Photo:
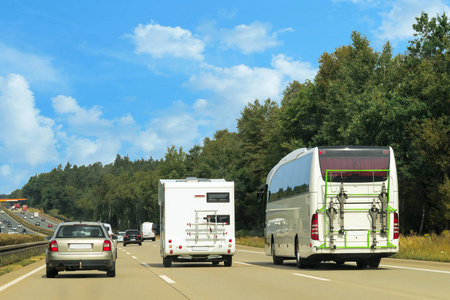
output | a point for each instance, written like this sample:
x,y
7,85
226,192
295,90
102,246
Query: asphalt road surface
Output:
x,y
141,275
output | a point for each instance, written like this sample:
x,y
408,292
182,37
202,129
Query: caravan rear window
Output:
x,y
354,164
217,197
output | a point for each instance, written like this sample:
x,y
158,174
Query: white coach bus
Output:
x,y
197,220
332,204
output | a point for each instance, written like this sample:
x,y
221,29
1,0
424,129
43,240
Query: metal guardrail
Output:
x,y
12,253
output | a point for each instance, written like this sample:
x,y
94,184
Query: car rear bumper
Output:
x,y
73,265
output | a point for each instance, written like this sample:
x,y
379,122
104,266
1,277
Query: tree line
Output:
x,y
358,97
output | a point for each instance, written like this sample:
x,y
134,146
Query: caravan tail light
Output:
x,y
314,228
170,241
396,230
53,246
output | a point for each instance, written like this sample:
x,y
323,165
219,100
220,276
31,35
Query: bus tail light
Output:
x,y
396,230
315,227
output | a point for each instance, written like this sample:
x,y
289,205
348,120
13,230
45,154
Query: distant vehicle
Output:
x,y
132,236
24,231
108,229
37,224
148,231
19,225
120,236
32,217
43,219
80,246
197,220
332,204
50,225
9,225
11,232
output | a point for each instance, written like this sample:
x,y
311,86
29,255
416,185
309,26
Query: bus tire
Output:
x,y
300,262
361,264
374,263
276,260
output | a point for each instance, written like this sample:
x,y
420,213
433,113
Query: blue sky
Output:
x,y
83,81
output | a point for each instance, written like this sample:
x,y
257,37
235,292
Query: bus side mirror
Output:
x,y
261,194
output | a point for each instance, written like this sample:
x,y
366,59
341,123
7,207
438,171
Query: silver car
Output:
x,y
80,246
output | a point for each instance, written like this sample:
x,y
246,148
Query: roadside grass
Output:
x,y
20,264
252,241
430,247
14,239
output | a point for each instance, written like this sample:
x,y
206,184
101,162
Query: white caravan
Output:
x,y
332,204
147,231
197,220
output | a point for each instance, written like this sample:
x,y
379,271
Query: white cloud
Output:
x,y
35,68
25,135
81,120
295,70
253,38
250,38
397,24
164,41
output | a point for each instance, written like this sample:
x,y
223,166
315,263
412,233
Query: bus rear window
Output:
x,y
340,163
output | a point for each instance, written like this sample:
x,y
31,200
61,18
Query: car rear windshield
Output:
x,y
340,163
80,231
132,232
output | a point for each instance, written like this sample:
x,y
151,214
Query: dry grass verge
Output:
x,y
431,247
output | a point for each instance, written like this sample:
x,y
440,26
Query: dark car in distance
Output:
x,y
132,236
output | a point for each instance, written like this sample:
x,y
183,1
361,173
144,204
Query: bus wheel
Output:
x,y
361,264
276,260
374,263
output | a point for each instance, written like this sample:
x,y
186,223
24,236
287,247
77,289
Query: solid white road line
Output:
x,y
242,263
416,269
312,277
238,250
166,279
20,278
134,257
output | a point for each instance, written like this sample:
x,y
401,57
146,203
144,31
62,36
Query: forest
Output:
x,y
358,97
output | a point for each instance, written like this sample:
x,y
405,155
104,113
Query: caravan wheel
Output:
x,y
167,262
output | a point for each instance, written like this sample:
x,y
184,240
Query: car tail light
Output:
x,y
107,245
396,231
314,228
53,246
138,235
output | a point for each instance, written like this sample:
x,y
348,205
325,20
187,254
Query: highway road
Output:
x,y
141,275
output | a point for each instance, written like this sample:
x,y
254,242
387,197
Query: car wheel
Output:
x,y
140,244
112,271
361,264
51,273
124,244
